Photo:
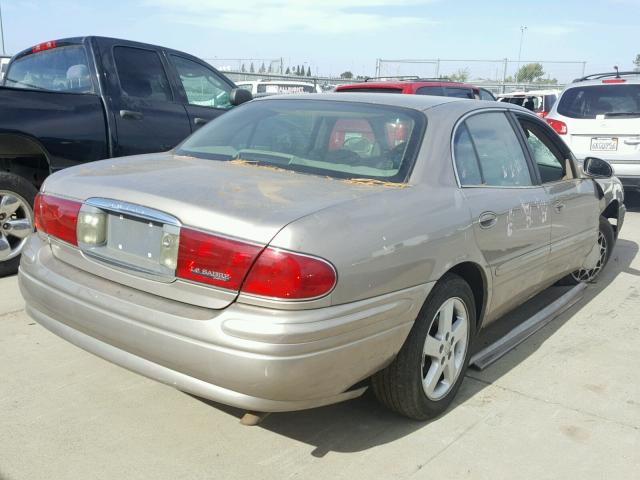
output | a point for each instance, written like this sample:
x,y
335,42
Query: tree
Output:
x,y
243,68
462,75
288,72
530,73
309,71
346,74
636,62
252,69
262,68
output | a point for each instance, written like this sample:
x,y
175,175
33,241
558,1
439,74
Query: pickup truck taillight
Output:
x,y
558,126
266,272
57,217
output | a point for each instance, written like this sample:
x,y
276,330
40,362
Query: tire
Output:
x,y
14,188
402,386
606,235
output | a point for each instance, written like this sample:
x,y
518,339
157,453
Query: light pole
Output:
x,y
522,30
2,31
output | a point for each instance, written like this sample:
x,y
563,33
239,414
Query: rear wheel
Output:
x,y
16,219
425,376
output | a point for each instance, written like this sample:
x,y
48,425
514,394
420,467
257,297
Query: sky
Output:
x,y
332,36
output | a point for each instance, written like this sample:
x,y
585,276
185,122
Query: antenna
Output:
x,y
617,71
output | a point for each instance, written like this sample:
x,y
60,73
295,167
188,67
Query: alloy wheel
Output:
x,y
588,275
16,223
445,348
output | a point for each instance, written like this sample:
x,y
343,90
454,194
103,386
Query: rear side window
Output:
x,y
486,95
459,92
609,100
437,91
61,69
466,159
141,74
500,157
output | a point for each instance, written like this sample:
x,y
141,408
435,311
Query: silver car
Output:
x,y
297,250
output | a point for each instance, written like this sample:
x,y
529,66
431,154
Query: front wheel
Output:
x,y
605,242
425,376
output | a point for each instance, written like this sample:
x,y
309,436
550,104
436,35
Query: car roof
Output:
x,y
403,83
416,102
610,80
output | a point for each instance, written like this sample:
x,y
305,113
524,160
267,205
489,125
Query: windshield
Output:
x,y
62,69
608,100
336,139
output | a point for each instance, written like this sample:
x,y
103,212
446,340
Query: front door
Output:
x,y
574,202
512,225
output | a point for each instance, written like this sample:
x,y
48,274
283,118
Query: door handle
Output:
x,y
632,141
131,114
200,121
487,219
558,206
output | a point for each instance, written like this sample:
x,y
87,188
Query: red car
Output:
x,y
421,86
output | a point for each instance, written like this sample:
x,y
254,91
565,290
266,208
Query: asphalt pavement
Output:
x,y
564,404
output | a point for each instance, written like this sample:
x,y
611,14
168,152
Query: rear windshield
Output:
x,y
62,69
609,100
459,92
285,88
372,90
335,139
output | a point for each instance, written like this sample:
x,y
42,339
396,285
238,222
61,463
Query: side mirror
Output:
x,y
597,168
238,96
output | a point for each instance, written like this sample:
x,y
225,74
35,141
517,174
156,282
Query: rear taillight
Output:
x,y
266,272
614,80
214,260
287,275
57,217
558,126
542,114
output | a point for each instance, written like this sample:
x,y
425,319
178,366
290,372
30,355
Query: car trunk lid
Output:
x,y
233,200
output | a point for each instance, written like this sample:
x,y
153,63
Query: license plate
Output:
x,y
604,144
128,237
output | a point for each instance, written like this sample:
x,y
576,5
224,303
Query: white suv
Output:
x,y
599,116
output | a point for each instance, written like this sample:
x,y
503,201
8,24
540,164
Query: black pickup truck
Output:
x,y
77,100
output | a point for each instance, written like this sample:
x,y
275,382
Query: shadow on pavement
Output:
x,y
362,423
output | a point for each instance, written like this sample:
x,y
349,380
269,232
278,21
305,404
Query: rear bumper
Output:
x,y
248,357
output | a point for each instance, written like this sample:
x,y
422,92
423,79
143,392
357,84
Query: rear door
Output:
x,y
509,207
148,117
204,91
574,209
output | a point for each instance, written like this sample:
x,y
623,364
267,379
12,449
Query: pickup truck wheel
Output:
x,y
605,243
424,378
16,219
